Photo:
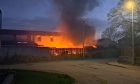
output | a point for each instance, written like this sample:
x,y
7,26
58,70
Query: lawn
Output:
x,y
36,77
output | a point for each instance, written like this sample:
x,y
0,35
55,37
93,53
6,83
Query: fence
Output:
x,y
18,54
126,55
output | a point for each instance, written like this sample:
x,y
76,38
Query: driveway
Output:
x,y
87,71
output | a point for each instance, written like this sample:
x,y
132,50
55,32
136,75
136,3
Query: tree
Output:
x,y
112,34
120,21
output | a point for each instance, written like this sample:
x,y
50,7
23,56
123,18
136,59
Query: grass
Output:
x,y
35,77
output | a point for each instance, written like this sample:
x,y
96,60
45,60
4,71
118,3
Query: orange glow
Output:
x,y
94,46
55,42
60,41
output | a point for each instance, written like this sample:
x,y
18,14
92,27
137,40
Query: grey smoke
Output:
x,y
71,15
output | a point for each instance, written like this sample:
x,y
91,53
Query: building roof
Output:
x,y
27,32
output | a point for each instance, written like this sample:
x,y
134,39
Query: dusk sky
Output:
x,y
41,14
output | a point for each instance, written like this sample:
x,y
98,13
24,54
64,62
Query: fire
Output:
x,y
94,46
63,40
59,42
55,42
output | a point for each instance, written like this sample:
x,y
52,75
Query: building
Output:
x,y
23,37
55,41
106,43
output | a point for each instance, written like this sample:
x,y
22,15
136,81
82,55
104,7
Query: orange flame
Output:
x,y
60,41
55,42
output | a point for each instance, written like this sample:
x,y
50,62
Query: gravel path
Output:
x,y
87,71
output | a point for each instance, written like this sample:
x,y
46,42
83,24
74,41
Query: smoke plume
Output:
x,y
72,11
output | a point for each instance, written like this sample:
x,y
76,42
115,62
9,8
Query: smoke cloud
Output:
x,y
72,11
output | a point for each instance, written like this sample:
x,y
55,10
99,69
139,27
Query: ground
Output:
x,y
37,77
87,71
